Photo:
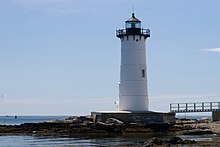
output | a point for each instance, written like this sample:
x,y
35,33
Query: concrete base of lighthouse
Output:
x,y
146,117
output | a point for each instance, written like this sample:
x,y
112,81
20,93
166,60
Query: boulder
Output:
x,y
176,140
155,141
113,121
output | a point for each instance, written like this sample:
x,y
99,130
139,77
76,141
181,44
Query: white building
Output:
x,y
133,95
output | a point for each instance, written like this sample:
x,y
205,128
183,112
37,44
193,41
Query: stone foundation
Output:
x,y
216,116
147,117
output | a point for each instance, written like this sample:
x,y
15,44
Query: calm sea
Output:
x,y
16,120
42,141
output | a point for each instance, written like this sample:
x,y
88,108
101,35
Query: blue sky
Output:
x,y
61,57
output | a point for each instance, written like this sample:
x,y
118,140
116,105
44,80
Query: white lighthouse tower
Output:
x,y
133,95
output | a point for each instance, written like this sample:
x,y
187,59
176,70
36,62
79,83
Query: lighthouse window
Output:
x,y
143,73
132,25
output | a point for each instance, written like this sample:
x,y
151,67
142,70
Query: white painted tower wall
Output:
x,y
133,94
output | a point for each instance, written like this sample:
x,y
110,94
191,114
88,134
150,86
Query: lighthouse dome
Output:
x,y
133,22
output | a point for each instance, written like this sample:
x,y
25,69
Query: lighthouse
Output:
x,y
133,93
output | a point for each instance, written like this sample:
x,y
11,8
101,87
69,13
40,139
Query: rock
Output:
x,y
189,142
153,141
79,119
186,121
172,141
197,132
84,124
176,140
113,121
107,128
204,120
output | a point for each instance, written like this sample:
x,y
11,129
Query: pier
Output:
x,y
213,107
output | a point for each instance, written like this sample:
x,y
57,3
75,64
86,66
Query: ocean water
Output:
x,y
47,141
51,141
26,141
12,120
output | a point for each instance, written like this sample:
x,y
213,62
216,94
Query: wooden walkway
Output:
x,y
195,107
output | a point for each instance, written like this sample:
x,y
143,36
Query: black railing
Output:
x,y
124,32
195,107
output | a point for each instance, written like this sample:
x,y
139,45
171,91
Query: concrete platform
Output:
x,y
145,117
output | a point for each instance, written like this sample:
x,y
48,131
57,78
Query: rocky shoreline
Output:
x,y
83,126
